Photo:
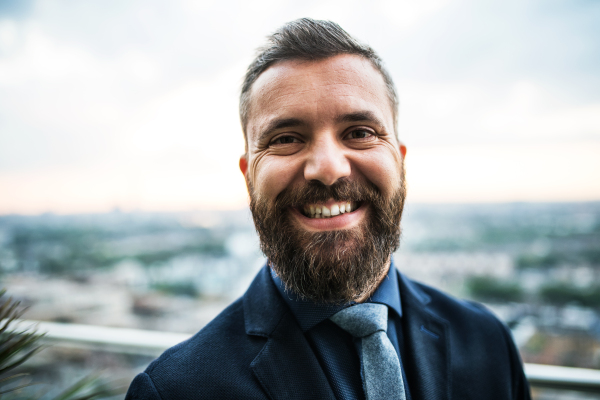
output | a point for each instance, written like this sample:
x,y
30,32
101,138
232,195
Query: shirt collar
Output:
x,y
309,314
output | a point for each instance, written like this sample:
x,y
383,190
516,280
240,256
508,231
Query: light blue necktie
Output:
x,y
382,375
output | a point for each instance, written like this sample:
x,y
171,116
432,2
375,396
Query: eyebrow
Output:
x,y
359,116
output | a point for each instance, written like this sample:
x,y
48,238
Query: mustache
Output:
x,y
317,192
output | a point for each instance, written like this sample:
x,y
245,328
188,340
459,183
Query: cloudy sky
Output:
x,y
133,104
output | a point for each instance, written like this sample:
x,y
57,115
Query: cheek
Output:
x,y
383,170
271,175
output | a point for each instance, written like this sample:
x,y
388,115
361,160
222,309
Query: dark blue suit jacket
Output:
x,y
255,350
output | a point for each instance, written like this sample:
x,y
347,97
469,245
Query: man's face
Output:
x,y
325,174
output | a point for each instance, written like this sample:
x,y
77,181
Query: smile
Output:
x,y
328,209
330,215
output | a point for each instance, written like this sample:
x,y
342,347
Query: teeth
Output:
x,y
321,211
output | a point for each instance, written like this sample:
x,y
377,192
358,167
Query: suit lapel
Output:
x,y
286,367
426,338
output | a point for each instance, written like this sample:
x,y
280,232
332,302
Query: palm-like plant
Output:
x,y
17,346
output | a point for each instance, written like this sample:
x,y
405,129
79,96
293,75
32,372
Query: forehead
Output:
x,y
318,89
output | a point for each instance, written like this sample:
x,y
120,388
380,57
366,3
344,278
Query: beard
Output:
x,y
332,266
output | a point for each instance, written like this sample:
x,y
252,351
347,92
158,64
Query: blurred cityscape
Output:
x,y
535,265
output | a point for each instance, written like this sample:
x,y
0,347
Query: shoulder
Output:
x,y
214,360
478,340
467,319
449,308
454,309
217,361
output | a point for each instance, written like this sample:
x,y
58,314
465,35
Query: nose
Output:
x,y
326,162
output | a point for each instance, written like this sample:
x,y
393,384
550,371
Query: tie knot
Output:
x,y
362,319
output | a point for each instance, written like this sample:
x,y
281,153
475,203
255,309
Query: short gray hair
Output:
x,y
309,39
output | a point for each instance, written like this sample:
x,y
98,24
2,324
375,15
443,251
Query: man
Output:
x,y
329,316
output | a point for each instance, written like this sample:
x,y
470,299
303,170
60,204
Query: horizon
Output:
x,y
407,205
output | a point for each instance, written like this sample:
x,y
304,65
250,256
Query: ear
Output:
x,y
403,150
243,164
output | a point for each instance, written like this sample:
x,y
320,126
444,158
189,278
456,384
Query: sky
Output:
x,y
133,104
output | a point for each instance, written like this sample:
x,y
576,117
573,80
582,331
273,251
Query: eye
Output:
x,y
360,134
285,140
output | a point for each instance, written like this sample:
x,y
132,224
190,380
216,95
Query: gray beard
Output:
x,y
332,266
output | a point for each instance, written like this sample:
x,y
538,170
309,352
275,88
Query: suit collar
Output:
x,y
411,290
263,307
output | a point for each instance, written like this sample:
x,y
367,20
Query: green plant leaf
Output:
x,y
19,345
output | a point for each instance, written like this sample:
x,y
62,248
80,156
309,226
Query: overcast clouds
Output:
x,y
133,103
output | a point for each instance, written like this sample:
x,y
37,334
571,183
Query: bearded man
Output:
x,y
330,316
